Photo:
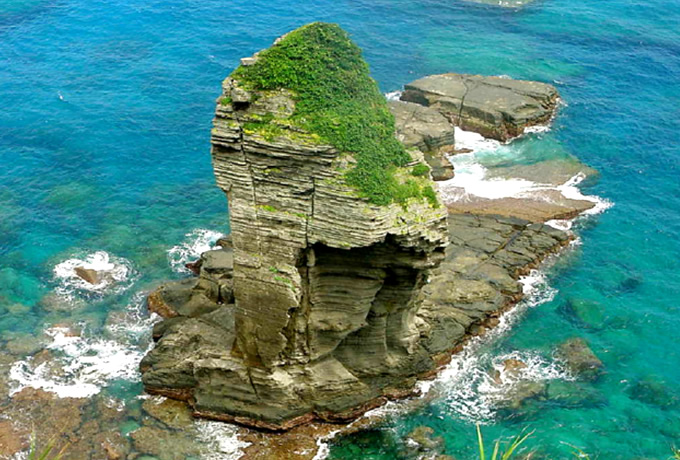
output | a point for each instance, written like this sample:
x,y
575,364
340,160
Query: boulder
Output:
x,y
495,107
522,392
87,274
441,168
421,127
513,367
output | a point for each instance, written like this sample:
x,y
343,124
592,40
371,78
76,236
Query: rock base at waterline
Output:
x,y
477,280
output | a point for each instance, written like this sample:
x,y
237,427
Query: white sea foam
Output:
x,y
471,179
115,275
82,364
195,243
393,95
474,141
467,385
537,129
221,440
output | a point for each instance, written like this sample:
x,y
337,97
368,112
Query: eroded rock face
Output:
x,y
420,126
324,283
495,107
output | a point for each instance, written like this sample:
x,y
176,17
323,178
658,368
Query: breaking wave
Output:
x,y
471,179
115,274
79,365
195,243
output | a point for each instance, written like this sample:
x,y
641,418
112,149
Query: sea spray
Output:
x,y
82,363
195,243
115,275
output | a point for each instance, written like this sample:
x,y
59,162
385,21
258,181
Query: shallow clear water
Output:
x,y
104,146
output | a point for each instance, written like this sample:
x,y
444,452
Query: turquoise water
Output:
x,y
104,146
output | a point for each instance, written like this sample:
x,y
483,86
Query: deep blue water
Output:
x,y
104,145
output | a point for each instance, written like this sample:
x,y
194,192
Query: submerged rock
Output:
x,y
421,442
165,445
173,414
580,359
573,394
586,313
495,107
654,392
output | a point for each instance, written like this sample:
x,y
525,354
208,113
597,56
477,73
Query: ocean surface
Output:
x,y
104,161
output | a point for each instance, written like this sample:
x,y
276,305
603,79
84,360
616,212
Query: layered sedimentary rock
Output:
x,y
325,282
495,107
427,130
324,303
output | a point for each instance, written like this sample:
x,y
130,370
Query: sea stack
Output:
x,y
335,229
344,280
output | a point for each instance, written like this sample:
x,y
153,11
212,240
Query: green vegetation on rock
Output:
x,y
420,169
337,100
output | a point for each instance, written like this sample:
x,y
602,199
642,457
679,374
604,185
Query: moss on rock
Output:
x,y
337,99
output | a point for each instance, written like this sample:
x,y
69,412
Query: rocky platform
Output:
x,y
473,285
495,107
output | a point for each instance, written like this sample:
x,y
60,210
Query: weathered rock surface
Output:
x,y
540,207
429,131
420,126
495,107
88,274
474,284
478,278
327,305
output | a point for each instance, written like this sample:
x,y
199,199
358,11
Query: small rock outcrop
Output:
x,y
579,359
495,107
427,130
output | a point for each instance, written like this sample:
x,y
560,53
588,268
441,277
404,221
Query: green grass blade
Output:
x,y
482,456
495,450
518,441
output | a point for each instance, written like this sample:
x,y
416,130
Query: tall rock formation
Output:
x,y
343,281
335,231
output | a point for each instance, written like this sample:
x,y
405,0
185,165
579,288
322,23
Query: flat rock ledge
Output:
x,y
495,107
